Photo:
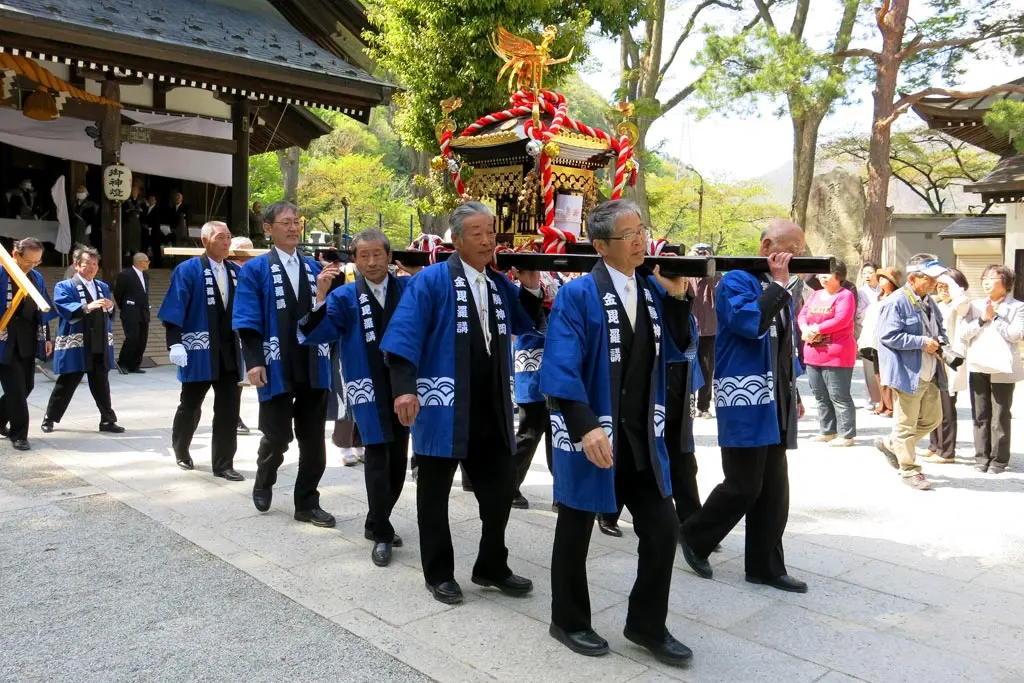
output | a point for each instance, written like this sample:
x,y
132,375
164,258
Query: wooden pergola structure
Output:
x,y
232,60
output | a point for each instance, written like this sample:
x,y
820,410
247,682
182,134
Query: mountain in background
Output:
x,y
779,184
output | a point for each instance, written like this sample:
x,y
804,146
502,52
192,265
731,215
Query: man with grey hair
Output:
x,y
910,336
609,340
275,291
85,341
131,292
356,316
196,313
448,346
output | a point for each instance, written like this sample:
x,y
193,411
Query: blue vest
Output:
x,y
8,286
189,304
744,383
430,328
356,321
260,305
583,363
69,298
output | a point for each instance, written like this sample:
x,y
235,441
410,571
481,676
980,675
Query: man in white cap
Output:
x,y
910,337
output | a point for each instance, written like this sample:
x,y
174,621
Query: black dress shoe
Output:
x,y
20,444
137,371
520,502
261,498
586,643
111,427
512,585
229,474
185,464
700,565
46,427
666,649
381,554
447,592
783,583
316,517
609,528
396,541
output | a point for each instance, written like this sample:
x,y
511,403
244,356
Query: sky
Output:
x,y
735,148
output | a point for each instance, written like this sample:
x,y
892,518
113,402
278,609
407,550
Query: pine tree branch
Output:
x,y
681,95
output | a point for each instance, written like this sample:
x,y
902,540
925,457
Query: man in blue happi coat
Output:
x,y
357,315
196,313
610,336
85,341
275,291
26,337
534,420
757,406
449,351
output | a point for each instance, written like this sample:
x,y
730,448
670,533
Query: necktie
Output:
x,y
630,303
481,303
293,273
378,293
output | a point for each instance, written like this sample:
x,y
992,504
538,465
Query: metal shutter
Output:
x,y
972,266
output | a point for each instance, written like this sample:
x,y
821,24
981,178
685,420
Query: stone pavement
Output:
x,y
115,565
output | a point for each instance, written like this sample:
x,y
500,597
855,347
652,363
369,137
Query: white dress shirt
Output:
x,y
142,278
481,297
220,274
291,269
625,288
91,286
380,292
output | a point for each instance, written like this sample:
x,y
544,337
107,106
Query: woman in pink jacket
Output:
x,y
830,352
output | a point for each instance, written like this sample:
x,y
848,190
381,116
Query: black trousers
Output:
x,y
17,378
384,467
990,406
307,408
490,467
943,438
136,333
534,422
706,359
227,398
99,387
658,531
756,485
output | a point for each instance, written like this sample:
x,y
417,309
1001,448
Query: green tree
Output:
x,y
1006,118
733,213
265,181
927,162
769,62
935,49
365,184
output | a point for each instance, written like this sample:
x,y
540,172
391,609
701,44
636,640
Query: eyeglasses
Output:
x,y
630,235
289,224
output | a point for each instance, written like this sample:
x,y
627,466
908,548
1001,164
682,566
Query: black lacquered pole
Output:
x,y
799,265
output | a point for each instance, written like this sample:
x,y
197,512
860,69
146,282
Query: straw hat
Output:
x,y
890,274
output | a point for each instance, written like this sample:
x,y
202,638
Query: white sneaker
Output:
x,y
348,457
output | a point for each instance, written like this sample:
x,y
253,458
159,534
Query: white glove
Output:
x,y
178,355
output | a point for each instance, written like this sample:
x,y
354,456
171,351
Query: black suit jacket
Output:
x,y
132,299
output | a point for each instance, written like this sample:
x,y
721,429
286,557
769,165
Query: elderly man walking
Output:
x,y
909,338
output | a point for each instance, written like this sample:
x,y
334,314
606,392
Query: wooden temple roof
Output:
x,y
964,119
232,47
335,25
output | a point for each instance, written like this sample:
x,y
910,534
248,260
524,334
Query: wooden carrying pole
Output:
x,y
25,286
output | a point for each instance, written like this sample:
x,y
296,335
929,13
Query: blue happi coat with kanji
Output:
x,y
191,301
431,329
69,348
261,304
583,363
745,360
357,320
8,286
